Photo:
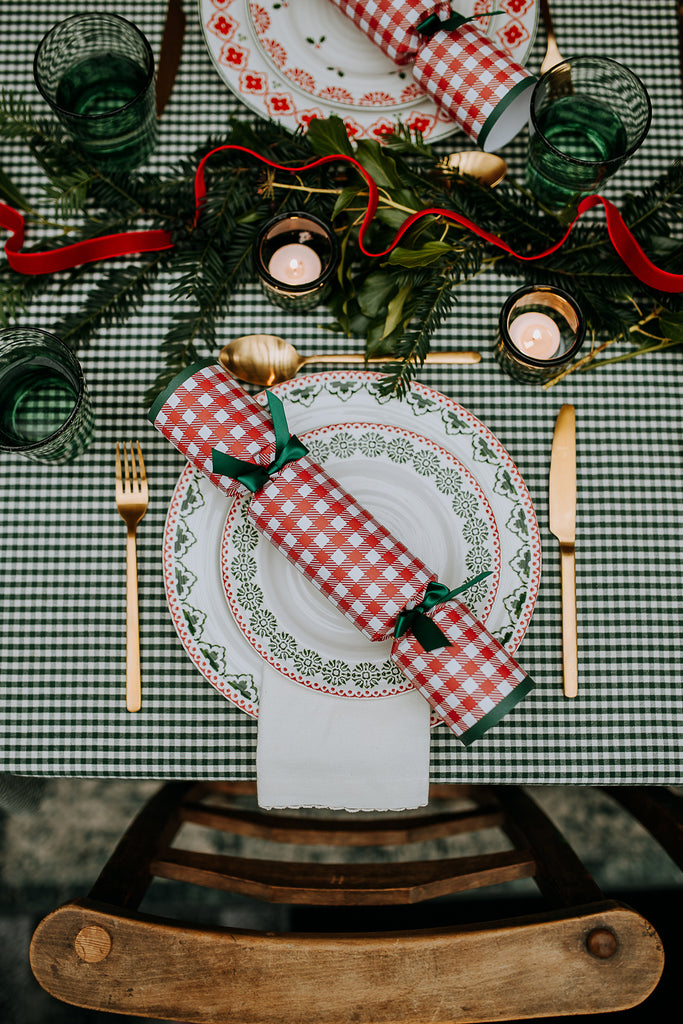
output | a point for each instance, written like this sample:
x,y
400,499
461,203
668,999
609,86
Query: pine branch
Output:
x,y
17,291
436,302
112,300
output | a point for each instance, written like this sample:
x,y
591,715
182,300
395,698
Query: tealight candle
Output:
x,y
535,334
295,256
541,330
295,264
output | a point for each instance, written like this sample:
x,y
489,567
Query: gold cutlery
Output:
x,y
561,82
266,359
132,499
552,54
562,517
488,168
170,53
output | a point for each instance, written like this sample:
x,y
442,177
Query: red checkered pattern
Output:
x,y
392,24
467,76
364,571
462,682
356,563
211,410
462,71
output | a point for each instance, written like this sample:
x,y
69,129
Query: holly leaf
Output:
x,y
381,167
671,325
428,253
375,294
328,136
395,310
344,199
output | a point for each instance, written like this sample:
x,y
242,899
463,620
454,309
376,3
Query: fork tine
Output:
x,y
133,470
141,463
126,471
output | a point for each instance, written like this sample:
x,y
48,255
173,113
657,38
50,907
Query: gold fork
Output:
x,y
132,499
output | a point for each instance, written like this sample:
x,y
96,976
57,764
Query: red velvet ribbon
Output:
x,y
132,242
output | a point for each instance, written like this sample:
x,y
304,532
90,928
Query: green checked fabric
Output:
x,y
62,542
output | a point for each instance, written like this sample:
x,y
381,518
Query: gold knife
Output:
x,y
170,52
562,516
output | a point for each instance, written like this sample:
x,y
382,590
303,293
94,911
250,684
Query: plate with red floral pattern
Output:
x,y
292,62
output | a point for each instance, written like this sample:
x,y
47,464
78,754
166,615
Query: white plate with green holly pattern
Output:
x,y
199,536
423,495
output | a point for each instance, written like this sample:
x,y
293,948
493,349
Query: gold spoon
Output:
x,y
265,359
486,167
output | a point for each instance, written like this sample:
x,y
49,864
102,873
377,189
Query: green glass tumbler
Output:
x,y
96,71
45,410
588,116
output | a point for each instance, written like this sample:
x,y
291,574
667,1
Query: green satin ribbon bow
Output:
x,y
432,24
288,448
425,629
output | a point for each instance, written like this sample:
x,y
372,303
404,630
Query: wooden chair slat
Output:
x,y
203,976
291,829
561,876
585,954
342,884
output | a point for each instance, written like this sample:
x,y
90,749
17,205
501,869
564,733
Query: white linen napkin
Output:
x,y
316,749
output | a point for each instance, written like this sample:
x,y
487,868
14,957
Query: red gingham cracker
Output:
x,y
368,574
392,24
466,681
209,409
353,560
473,81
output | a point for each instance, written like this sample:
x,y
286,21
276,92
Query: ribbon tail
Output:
x,y
630,251
90,250
428,634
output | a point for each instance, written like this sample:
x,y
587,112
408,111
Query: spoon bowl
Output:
x,y
266,359
485,167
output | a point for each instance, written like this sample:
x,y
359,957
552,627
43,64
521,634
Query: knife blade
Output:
x,y
170,53
562,521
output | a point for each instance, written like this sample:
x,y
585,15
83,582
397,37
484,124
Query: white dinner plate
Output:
x,y
196,532
291,62
424,496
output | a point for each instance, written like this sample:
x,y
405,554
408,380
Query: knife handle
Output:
x,y
570,661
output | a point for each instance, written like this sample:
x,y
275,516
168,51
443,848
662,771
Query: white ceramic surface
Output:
x,y
196,520
292,62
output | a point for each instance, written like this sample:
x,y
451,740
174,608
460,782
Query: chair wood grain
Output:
x,y
581,953
498,971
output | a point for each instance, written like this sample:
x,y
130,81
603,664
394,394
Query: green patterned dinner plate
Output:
x,y
423,495
432,473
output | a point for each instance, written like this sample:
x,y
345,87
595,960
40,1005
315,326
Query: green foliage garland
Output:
x,y
395,303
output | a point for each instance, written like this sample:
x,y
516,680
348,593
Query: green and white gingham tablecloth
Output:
x,y
62,653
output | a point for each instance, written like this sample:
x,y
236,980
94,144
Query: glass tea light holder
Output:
x,y
296,255
541,331
96,71
45,410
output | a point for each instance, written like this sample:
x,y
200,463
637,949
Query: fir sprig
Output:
x,y
395,303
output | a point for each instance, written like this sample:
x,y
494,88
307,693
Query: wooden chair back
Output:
x,y
581,953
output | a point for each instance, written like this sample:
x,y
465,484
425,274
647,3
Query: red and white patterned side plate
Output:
x,y
292,62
